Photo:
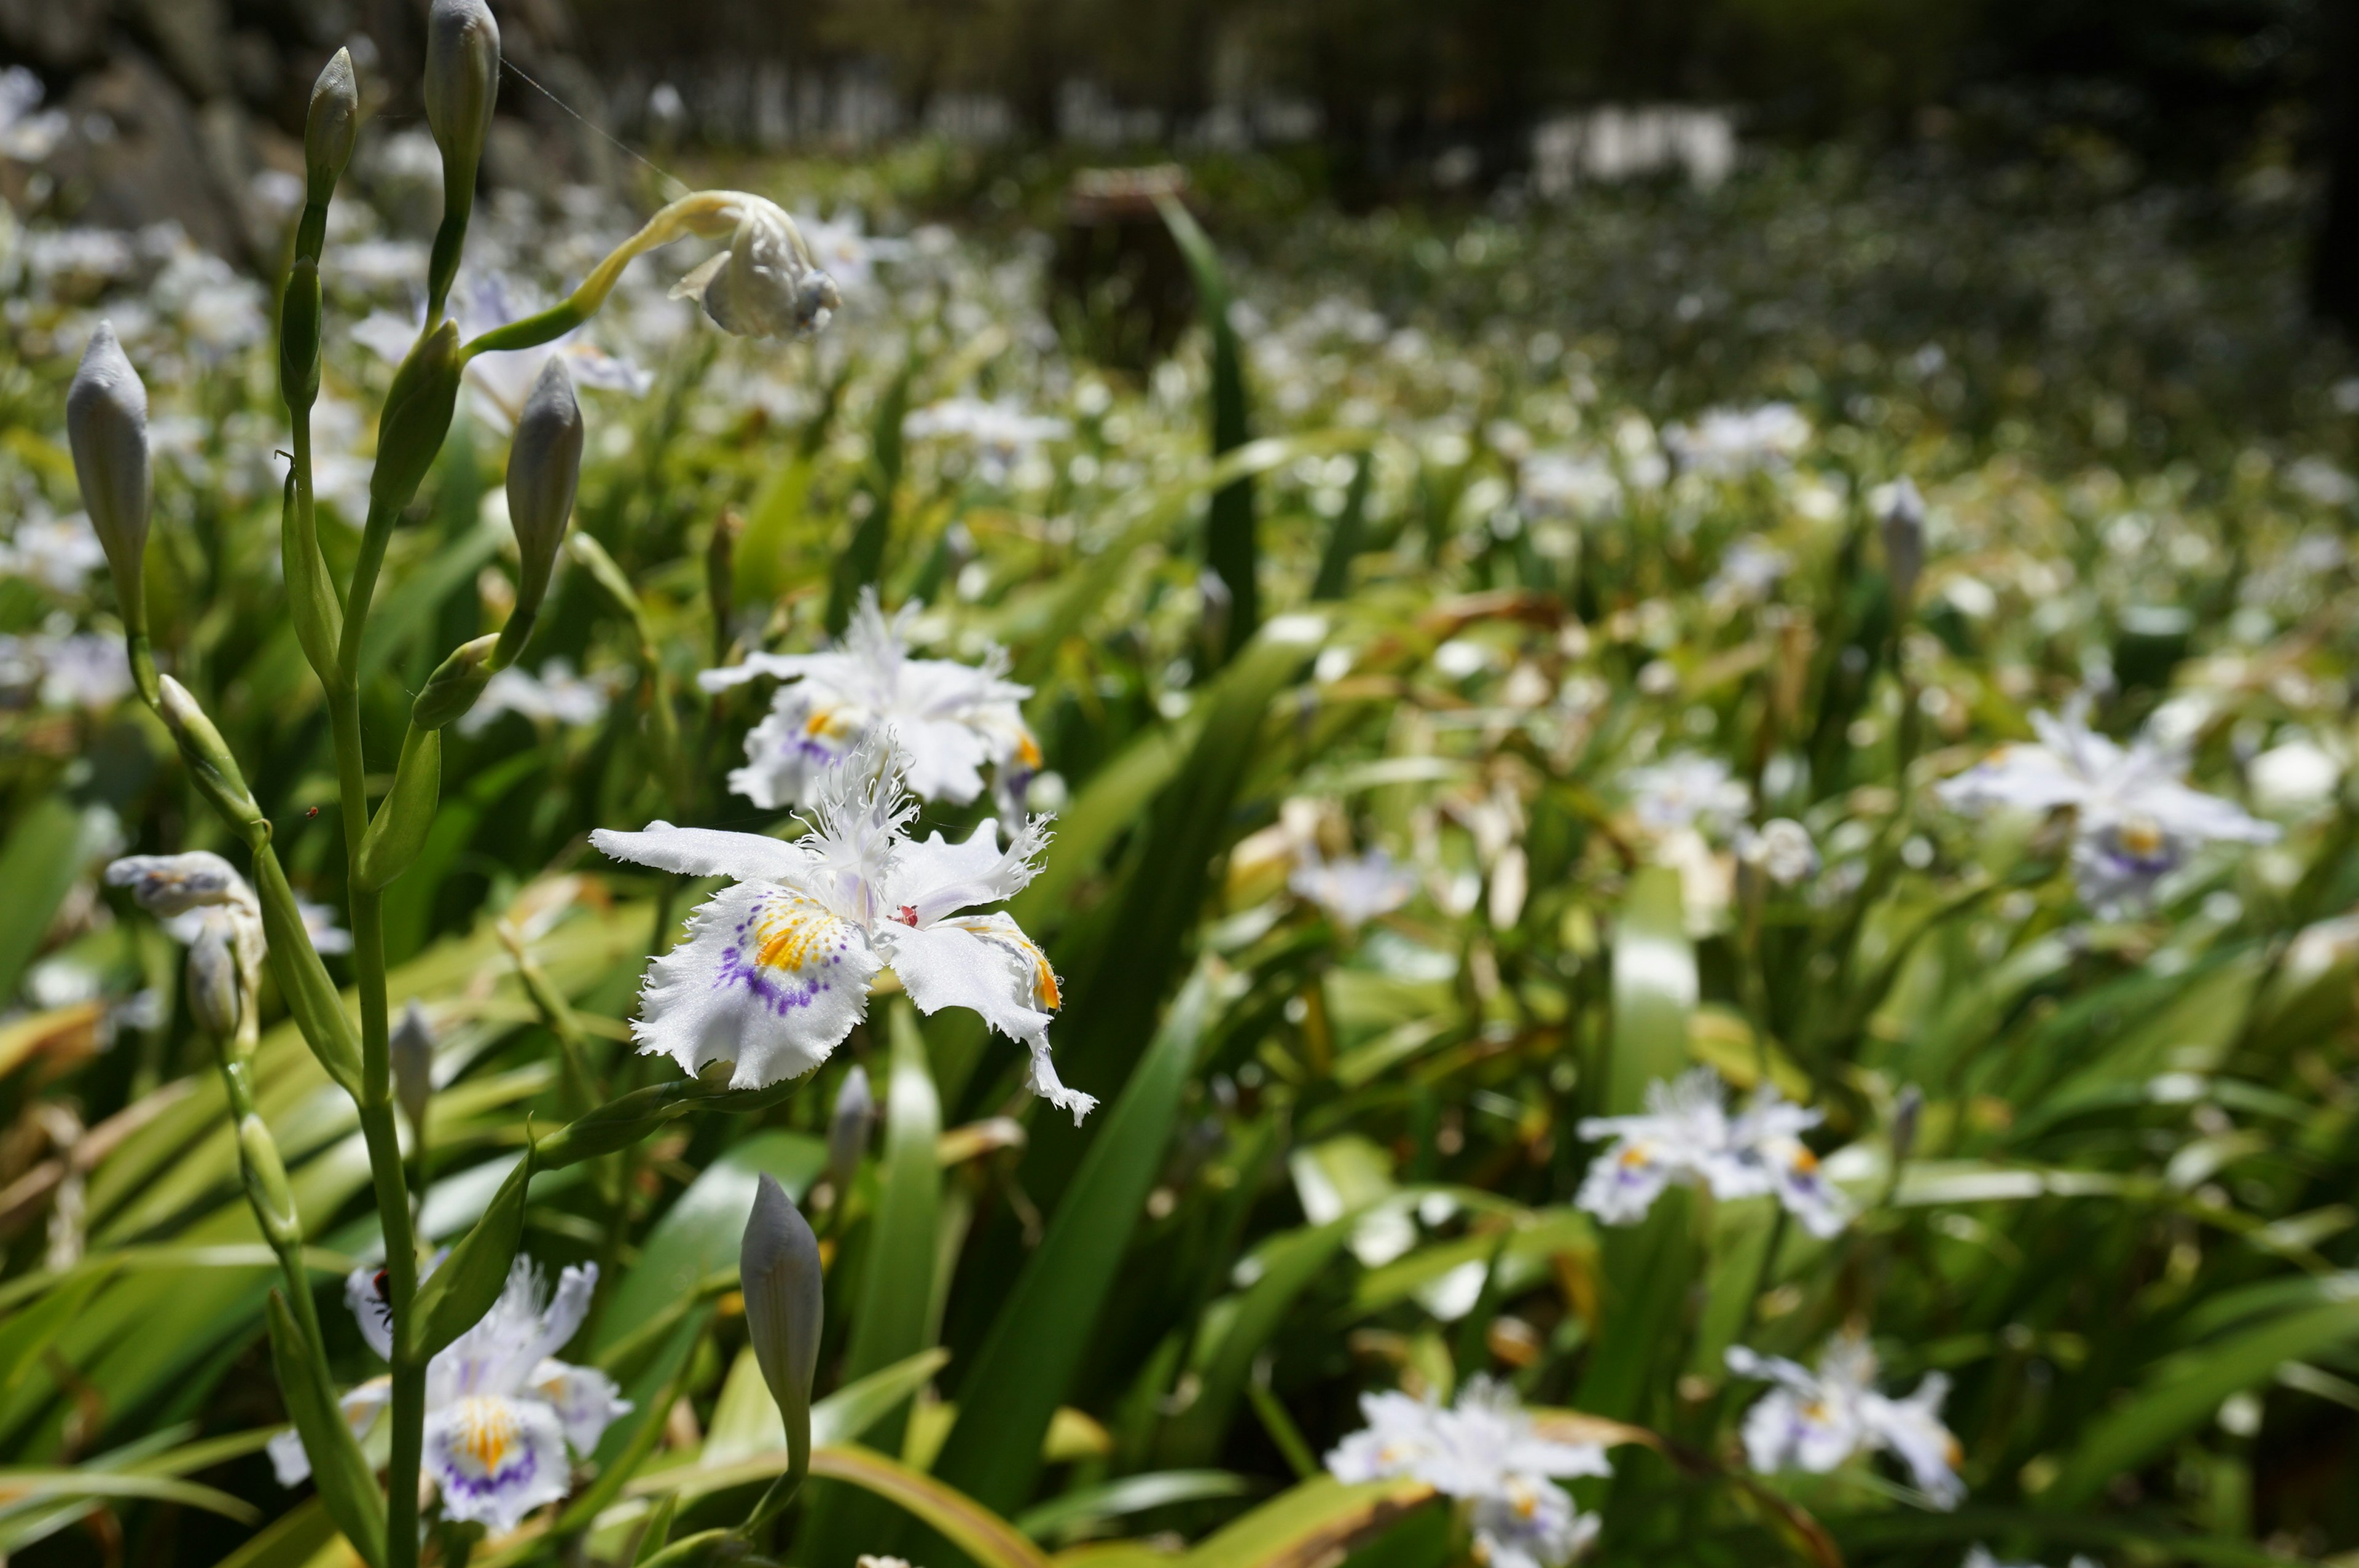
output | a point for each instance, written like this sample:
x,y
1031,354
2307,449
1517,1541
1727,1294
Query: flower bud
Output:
x,y
544,467
412,1050
778,1270
463,81
417,417
107,424
213,989
455,683
766,284
215,771
1900,515
398,832
1907,1112
848,1129
329,127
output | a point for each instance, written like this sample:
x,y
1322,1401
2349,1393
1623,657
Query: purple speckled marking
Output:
x,y
456,1480
741,966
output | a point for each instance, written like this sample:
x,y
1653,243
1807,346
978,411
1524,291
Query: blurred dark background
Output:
x,y
1372,100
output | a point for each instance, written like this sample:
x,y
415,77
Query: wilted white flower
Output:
x,y
1689,790
204,904
1817,1421
1486,1452
500,1411
1354,891
1687,1135
951,718
766,284
2134,818
776,969
556,695
1729,441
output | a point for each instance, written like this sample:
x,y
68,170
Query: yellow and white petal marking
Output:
x,y
787,951
1001,931
495,1459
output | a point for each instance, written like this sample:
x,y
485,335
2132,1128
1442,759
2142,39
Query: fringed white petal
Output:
x,y
780,666
571,1304
586,1400
704,852
945,756
767,979
986,962
791,750
936,877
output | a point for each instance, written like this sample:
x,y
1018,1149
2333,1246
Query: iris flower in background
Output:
x,y
1486,1452
500,1411
1818,1421
2135,819
1353,890
951,720
1687,1135
556,695
1689,790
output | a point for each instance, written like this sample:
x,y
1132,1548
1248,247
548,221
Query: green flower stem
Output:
x,y
375,1098
285,1240
706,212
375,537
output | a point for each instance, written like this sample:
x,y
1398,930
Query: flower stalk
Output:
x,y
765,284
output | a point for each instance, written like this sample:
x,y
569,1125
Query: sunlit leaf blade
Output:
x,y
889,1323
1026,1362
1309,1524
2185,1393
983,1535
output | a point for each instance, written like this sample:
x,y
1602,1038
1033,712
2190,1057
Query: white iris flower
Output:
x,y
776,969
1486,1452
1818,1421
1689,790
500,1411
2135,820
1354,891
1688,1135
951,718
